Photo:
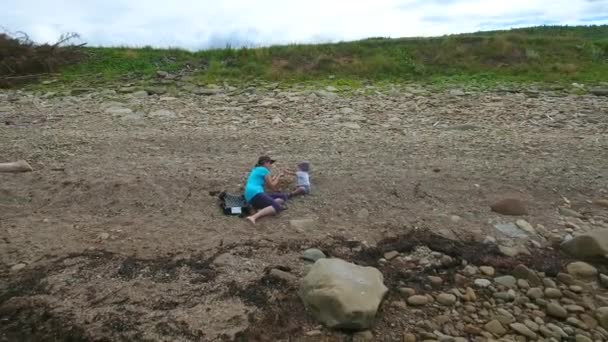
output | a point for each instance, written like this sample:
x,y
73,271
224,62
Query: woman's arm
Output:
x,y
273,181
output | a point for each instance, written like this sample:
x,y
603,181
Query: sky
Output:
x,y
201,24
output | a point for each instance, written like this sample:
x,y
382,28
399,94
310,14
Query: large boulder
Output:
x,y
589,245
341,294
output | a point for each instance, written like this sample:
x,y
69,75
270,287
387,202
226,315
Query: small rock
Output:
x,y
331,88
495,327
557,330
588,245
409,337
435,281
523,272
482,283
508,251
18,267
522,329
555,310
535,292
487,270
446,299
601,203
469,270
418,300
569,212
505,296
553,293
524,225
510,206
582,338
314,333
602,316
574,308
523,284
363,336
581,269
140,94
506,281
532,325
391,255
278,274
407,291
163,114
313,254
577,323
604,280
104,236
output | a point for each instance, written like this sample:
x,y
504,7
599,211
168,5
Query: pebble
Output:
x,y
18,267
314,333
104,236
521,271
506,296
313,254
495,327
581,269
510,206
569,212
469,270
523,284
408,337
525,226
407,291
553,293
482,282
575,288
435,281
557,330
446,299
391,255
278,274
363,336
577,323
548,282
604,280
532,325
582,338
535,292
556,310
506,281
418,300
522,329
487,270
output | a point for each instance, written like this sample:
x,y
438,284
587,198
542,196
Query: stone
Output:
x,y
278,274
482,283
553,293
326,94
469,295
495,327
407,291
331,88
509,251
505,296
535,292
523,284
163,114
601,203
577,323
532,325
351,125
408,337
556,310
418,300
207,91
604,280
602,316
104,236
469,270
118,111
313,254
521,271
559,332
156,90
574,308
569,212
589,321
510,230
487,270
18,267
548,282
510,206
343,295
362,336
446,299
506,281
581,270
140,94
391,255
525,226
582,338
435,281
522,329
588,245
599,91
315,332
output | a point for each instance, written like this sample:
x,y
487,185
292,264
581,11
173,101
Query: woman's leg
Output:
x,y
269,210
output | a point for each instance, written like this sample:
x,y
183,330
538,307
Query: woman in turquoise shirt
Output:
x,y
259,177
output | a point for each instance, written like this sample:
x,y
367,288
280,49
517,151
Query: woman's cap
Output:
x,y
265,159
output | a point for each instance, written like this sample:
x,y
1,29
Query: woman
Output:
x,y
259,178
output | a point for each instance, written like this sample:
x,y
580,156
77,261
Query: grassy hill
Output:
x,y
537,54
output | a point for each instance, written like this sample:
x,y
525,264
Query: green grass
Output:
x,y
540,54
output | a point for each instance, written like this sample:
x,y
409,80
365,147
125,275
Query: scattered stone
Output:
x,y
407,291
548,282
495,327
315,332
532,325
602,316
576,288
523,284
18,267
508,251
553,293
435,281
524,225
469,295
577,323
556,310
487,270
118,111
604,280
326,94
506,281
522,329
505,296
104,236
163,114
331,88
446,299
582,338
351,125
510,230
599,91
510,206
140,94
589,321
313,254
408,337
523,272
569,212
156,90
341,294
601,203
469,270
418,300
588,245
581,270
363,336
391,255
482,283
207,91
557,330
278,274
535,292
574,308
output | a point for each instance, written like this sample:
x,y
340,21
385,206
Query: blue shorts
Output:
x,y
263,200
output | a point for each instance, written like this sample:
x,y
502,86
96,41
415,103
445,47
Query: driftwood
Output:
x,y
18,166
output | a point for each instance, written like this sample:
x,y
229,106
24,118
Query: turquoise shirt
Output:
x,y
255,182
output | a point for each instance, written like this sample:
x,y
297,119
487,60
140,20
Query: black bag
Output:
x,y
234,205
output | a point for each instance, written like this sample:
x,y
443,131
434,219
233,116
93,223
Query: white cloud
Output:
x,y
198,24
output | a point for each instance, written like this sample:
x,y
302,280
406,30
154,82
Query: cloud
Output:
x,y
196,24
